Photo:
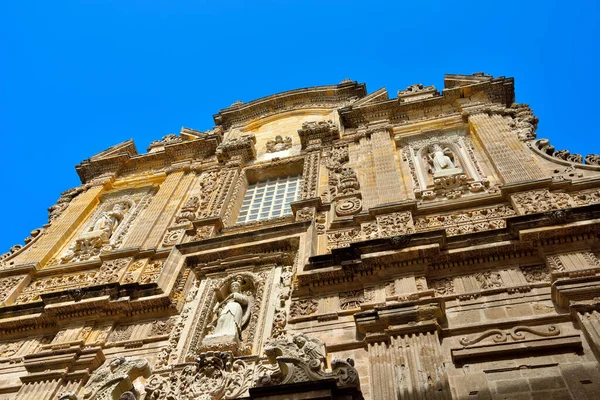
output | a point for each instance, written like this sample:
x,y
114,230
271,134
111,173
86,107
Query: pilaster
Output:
x,y
60,230
511,158
149,221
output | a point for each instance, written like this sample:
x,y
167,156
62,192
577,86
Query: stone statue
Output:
x,y
231,314
441,161
109,221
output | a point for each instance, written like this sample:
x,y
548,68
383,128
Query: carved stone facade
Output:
x,y
428,246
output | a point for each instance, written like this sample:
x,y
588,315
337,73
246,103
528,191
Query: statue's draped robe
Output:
x,y
230,316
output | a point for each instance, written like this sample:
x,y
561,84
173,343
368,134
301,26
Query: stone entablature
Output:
x,y
433,248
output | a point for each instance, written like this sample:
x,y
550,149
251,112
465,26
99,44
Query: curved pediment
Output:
x,y
320,97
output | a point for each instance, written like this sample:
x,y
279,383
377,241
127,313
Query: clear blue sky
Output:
x,y
78,77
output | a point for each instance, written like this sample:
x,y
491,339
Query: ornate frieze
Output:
x,y
544,200
303,307
37,287
460,223
342,238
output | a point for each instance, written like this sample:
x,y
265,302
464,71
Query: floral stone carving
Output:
x,y
214,376
302,359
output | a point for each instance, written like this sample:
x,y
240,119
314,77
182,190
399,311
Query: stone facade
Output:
x,y
433,248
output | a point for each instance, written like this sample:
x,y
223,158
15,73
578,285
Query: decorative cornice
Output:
x,y
331,96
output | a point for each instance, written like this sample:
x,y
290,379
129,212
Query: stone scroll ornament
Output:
x,y
214,376
114,380
302,359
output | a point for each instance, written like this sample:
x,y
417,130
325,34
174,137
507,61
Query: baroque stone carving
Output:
x,y
214,375
279,144
310,176
115,377
315,134
237,151
36,288
111,271
7,284
516,333
466,222
108,226
433,164
489,280
536,274
544,146
301,359
353,299
303,307
230,315
540,200
343,238
442,287
167,354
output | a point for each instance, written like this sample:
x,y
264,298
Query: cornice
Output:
x,y
331,96
166,155
499,90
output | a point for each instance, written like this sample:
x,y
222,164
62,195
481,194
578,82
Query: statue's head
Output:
x,y
278,139
436,147
118,207
300,340
235,287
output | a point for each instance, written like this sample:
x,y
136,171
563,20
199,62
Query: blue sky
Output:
x,y
78,77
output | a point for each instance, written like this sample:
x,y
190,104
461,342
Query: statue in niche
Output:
x,y
441,161
89,243
279,144
231,315
109,221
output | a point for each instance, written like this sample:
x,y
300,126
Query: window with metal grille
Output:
x,y
270,199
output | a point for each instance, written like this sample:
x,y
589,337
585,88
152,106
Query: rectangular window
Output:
x,y
270,199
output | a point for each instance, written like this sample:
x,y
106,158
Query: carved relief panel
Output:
x,y
232,311
443,165
106,229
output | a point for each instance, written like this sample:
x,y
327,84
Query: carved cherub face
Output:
x,y
300,341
